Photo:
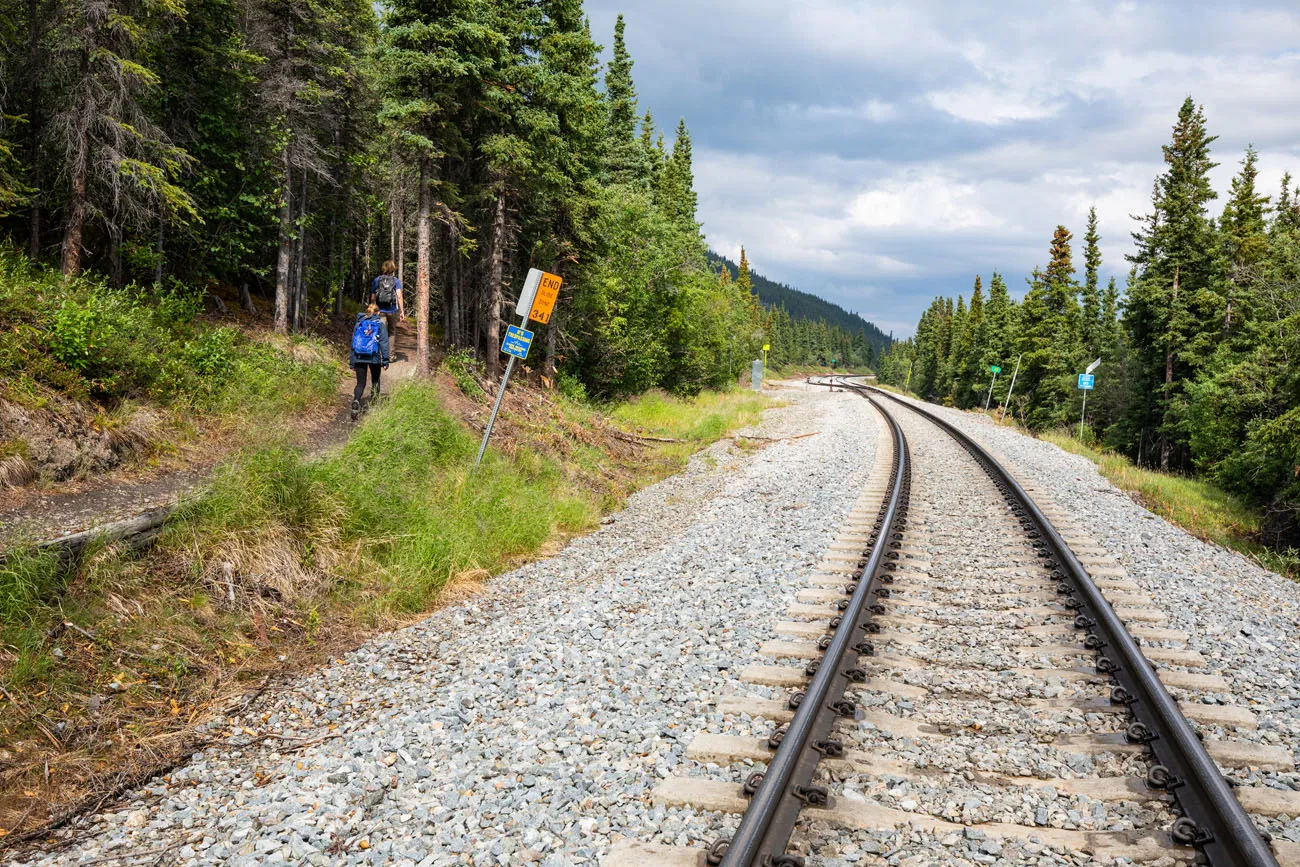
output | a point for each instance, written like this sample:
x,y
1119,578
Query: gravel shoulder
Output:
x,y
529,723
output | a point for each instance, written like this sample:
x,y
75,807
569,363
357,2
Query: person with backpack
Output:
x,y
386,294
369,353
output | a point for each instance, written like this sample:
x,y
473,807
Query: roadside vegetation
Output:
x,y
107,665
1199,506
91,375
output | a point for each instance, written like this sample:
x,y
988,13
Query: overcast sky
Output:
x,y
877,154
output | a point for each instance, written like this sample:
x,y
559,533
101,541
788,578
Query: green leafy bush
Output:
x,y
462,366
86,339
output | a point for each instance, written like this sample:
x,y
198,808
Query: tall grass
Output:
x,y
1198,506
398,510
704,417
28,579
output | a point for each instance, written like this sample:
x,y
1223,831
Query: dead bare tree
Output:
x,y
119,165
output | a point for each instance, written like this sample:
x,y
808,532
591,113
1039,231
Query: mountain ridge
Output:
x,y
804,305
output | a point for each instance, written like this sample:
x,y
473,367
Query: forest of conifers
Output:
x,y
286,148
1200,355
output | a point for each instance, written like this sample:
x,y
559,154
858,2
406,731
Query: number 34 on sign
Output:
x,y
537,299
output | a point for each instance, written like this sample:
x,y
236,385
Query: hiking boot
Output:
x,y
356,408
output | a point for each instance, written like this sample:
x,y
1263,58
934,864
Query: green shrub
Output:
x,y
87,339
571,387
462,366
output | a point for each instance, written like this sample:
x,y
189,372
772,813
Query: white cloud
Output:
x,y
981,103
921,200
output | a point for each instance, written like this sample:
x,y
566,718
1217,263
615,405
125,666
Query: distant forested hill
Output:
x,y
804,305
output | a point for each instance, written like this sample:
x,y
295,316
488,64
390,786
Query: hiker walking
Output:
x,y
386,294
369,353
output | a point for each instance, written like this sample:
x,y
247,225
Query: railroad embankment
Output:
x,y
286,556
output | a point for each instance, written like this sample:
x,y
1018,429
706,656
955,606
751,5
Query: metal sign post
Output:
x,y
1011,389
533,304
1086,381
995,370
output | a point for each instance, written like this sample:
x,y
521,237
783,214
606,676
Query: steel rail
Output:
x,y
764,831
1213,819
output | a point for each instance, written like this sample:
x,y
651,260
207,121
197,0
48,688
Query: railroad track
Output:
x,y
965,672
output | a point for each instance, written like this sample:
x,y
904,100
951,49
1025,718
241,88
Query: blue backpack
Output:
x,y
365,337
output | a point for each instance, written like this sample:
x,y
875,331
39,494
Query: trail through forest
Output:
x,y
41,515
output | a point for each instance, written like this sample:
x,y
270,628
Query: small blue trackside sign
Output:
x,y
517,342
1086,380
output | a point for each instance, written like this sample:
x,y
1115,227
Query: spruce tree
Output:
x,y
651,154
120,167
1111,330
970,351
1287,213
1175,306
1091,330
744,282
625,160
956,362
1244,231
677,183
1243,224
1049,339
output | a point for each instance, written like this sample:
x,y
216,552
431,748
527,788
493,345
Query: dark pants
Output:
x,y
390,319
375,370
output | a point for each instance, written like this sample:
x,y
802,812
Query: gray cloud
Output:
x,y
881,153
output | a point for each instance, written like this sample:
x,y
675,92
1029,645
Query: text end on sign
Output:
x,y
1086,381
548,289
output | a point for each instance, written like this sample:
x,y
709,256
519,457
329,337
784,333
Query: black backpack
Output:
x,y
386,290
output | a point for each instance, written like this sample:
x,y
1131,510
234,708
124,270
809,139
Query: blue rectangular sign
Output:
x,y
517,342
1086,380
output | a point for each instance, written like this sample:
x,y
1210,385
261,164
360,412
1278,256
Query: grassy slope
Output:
x,y
1198,506
139,368
286,560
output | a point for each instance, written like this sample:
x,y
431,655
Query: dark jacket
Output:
x,y
382,356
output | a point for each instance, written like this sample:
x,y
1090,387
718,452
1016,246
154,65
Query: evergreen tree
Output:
x,y
1000,316
1049,339
119,166
1287,213
1245,234
743,280
956,360
1111,332
677,184
1243,223
971,350
625,160
1091,328
1175,307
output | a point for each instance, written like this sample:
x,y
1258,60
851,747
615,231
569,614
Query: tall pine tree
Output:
x,y
1175,306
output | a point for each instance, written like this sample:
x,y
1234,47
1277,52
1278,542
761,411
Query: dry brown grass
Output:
x,y
16,471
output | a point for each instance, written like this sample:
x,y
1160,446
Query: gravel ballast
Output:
x,y
1244,619
530,723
